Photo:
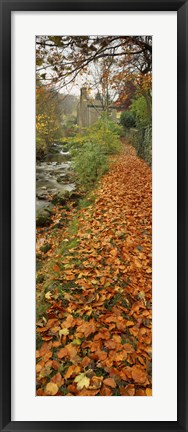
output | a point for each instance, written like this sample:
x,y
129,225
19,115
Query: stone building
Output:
x,y
89,110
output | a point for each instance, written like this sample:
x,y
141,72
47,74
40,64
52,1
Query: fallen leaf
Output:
x,y
58,379
82,381
62,353
71,370
55,364
139,375
106,391
140,392
76,341
48,295
51,389
56,268
63,332
129,324
87,328
110,382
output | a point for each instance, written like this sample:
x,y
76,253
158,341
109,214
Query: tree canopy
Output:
x,y
60,59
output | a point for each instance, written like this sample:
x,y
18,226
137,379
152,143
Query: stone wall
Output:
x,y
141,140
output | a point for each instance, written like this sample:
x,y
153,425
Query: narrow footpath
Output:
x,y
95,338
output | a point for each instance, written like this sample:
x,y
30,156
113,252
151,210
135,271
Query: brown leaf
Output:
x,y
110,382
96,382
138,374
87,392
55,364
105,391
140,392
87,328
62,353
129,390
58,379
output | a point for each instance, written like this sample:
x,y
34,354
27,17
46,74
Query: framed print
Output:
x,y
93,215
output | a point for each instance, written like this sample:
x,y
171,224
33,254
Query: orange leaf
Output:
x,y
140,392
110,382
129,390
72,370
62,353
87,328
56,268
110,344
129,324
56,344
56,364
57,379
70,277
69,322
128,347
87,392
106,391
37,354
139,375
114,252
71,351
51,389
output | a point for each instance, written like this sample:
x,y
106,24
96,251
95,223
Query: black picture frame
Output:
x,y
6,7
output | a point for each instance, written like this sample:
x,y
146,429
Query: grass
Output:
x,y
73,228
87,201
66,246
41,306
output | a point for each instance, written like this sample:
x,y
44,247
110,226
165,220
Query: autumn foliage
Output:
x,y
95,338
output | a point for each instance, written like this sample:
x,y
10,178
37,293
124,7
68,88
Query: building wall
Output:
x,y
88,114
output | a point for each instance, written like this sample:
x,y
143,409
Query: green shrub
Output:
x,y
106,120
139,110
104,132
89,164
90,149
140,134
128,119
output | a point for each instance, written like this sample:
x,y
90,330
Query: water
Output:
x,y
54,175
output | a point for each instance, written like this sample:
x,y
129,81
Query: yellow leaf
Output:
x,y
76,341
82,381
48,295
63,332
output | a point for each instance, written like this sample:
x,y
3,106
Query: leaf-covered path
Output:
x,y
96,339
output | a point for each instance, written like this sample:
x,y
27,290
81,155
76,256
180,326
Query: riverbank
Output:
x,y
94,331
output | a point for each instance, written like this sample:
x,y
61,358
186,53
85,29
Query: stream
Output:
x,y
53,178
